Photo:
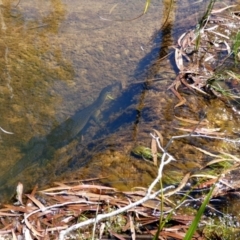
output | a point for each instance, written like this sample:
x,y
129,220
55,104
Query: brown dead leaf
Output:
x,y
38,203
78,187
202,122
30,227
206,184
234,158
166,235
148,220
184,219
180,39
139,192
4,214
67,198
154,151
57,228
214,11
91,196
160,136
116,235
206,131
205,152
217,161
67,219
132,228
13,208
178,59
181,185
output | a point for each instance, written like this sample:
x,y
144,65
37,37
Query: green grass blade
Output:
x,y
236,47
202,22
197,219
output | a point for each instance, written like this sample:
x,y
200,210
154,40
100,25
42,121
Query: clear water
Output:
x,y
56,58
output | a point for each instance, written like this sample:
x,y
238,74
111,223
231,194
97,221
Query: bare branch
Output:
x,y
166,158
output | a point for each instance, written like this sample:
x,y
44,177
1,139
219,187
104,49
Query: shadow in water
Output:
x,y
40,151
149,66
122,112
127,109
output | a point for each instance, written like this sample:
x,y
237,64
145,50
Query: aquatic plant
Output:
x,y
223,227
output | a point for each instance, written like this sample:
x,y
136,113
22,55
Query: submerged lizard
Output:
x,y
69,129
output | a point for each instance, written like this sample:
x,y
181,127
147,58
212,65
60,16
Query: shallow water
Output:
x,y
56,58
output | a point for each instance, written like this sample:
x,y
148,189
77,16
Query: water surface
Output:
x,y
57,57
